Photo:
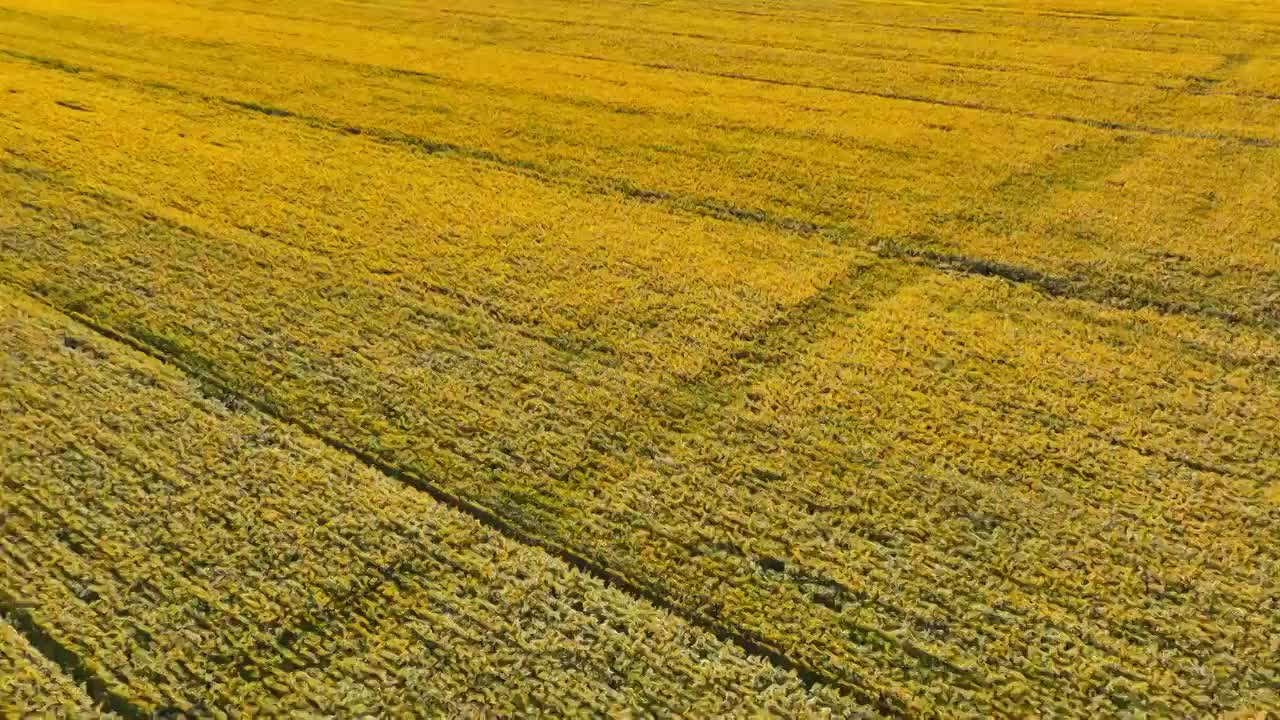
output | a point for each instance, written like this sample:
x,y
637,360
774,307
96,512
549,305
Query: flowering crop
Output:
x,y
927,350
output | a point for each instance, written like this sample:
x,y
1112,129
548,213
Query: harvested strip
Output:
x,y
33,686
198,556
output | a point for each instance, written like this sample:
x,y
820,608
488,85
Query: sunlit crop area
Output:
x,y
880,358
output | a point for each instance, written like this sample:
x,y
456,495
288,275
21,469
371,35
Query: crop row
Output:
x,y
801,153
1110,214
928,490
935,491
586,272
194,555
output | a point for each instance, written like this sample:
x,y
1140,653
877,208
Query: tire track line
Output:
x,y
213,382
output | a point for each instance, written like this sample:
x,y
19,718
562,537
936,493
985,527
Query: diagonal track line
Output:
x,y
590,182
748,642
1096,123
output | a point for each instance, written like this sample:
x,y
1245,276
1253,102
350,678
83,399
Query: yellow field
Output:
x,y
828,357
